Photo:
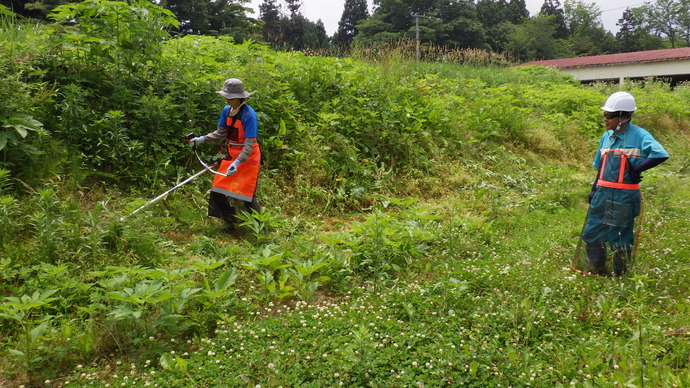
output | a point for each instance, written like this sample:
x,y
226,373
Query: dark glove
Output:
x,y
636,177
591,192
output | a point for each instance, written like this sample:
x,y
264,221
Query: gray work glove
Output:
x,y
232,169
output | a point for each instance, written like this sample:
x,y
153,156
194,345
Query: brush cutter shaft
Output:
x,y
158,198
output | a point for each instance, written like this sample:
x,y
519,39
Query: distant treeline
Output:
x,y
568,29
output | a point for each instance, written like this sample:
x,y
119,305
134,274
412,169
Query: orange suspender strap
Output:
x,y
621,174
614,185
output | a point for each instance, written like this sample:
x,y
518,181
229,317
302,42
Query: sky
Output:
x,y
330,11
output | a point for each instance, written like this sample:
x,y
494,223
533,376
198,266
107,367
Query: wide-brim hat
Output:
x,y
233,88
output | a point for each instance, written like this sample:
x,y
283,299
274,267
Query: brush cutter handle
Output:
x,y
193,140
189,137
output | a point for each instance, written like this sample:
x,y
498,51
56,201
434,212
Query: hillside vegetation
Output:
x,y
418,227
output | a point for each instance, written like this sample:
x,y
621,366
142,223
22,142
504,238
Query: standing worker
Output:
x,y
625,151
239,128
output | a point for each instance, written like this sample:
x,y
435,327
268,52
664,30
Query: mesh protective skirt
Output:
x,y
606,259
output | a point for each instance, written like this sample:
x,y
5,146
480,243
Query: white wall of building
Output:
x,y
632,70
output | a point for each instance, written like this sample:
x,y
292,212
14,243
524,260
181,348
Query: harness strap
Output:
x,y
621,173
616,185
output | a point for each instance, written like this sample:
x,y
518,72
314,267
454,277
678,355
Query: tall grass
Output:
x,y
20,40
406,51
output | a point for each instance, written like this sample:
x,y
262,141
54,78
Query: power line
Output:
x,y
624,7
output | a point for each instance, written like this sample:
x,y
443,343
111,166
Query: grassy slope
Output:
x,y
494,304
490,299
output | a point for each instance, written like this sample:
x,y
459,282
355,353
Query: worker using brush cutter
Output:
x,y
625,152
238,127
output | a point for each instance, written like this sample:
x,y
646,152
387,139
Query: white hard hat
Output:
x,y
620,102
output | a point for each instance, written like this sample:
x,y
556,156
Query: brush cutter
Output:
x,y
191,178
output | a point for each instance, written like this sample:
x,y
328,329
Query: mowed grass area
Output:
x,y
492,302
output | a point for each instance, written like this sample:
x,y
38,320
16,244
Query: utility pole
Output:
x,y
416,17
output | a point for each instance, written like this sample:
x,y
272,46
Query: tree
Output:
x,y
192,14
355,11
390,21
294,7
517,11
492,12
445,22
587,34
315,36
229,17
684,20
269,14
212,17
497,18
662,17
535,40
292,31
633,37
459,25
553,8
33,9
626,32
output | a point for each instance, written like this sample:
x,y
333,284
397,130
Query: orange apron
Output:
x,y
242,184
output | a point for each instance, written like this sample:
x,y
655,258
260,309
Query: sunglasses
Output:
x,y
611,115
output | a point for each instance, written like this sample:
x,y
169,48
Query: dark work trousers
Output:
x,y
219,206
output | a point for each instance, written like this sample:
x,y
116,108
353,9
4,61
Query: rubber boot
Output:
x,y
228,226
596,256
219,207
621,257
